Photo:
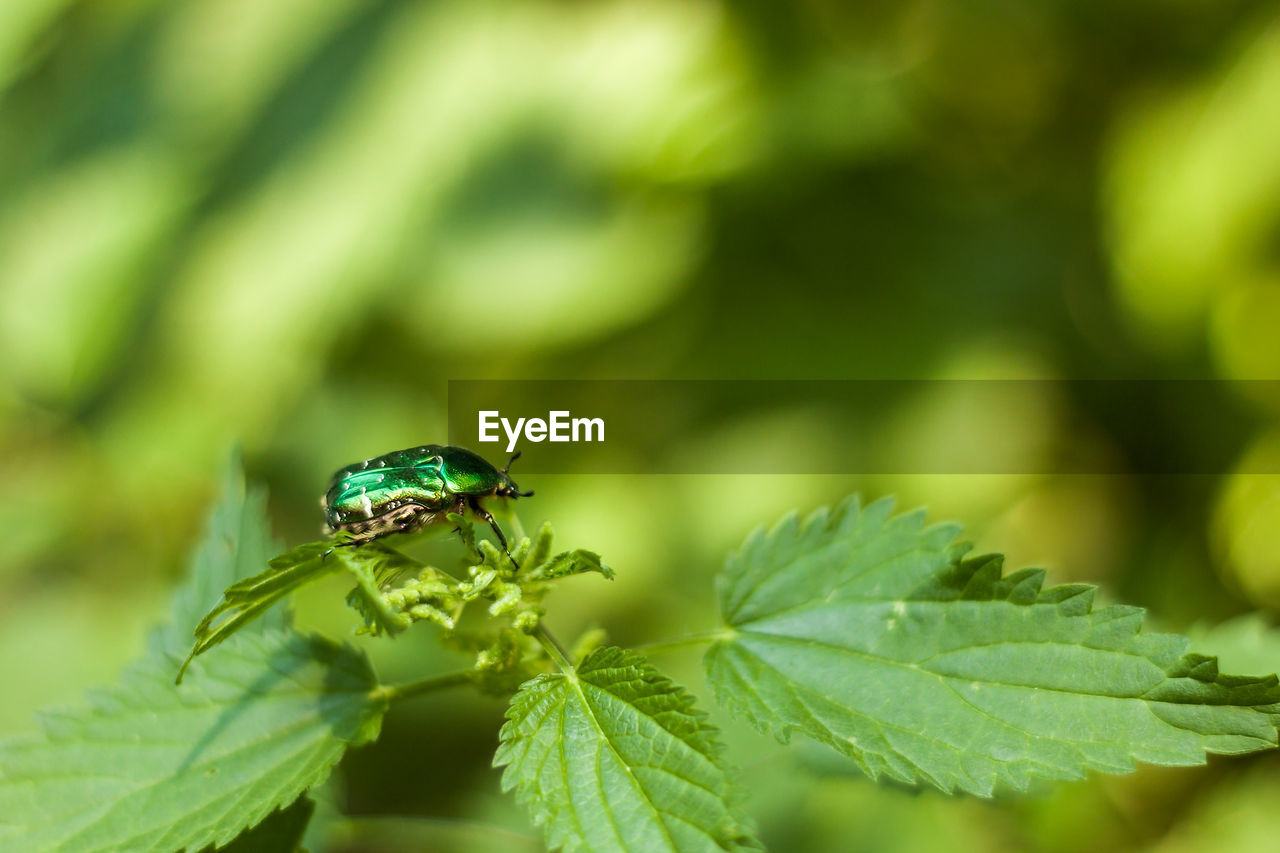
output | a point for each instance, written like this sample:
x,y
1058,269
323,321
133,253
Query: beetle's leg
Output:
x,y
326,554
488,516
333,548
348,544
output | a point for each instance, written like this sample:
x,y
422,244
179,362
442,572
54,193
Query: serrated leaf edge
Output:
x,y
983,580
611,657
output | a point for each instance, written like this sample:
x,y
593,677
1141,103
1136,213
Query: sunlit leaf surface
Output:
x,y
614,757
870,633
146,765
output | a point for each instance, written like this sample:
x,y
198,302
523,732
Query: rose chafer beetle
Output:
x,y
407,490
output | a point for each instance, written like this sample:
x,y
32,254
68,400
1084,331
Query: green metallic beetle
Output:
x,y
407,490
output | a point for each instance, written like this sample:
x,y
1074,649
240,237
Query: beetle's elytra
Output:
x,y
407,490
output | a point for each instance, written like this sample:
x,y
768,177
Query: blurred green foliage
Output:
x,y
287,224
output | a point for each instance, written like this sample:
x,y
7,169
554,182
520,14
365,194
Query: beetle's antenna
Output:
x,y
514,457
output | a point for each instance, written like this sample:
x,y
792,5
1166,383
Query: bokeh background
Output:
x,y
286,225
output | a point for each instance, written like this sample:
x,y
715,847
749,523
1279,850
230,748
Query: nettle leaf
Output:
x,y
145,765
236,544
246,600
614,757
372,565
568,563
375,567
870,633
281,832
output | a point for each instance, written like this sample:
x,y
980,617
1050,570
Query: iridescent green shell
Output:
x,y
432,476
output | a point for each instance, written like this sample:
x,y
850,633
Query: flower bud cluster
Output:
x,y
513,585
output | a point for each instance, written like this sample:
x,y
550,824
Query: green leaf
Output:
x,y
468,535
147,766
144,765
236,545
870,633
281,832
245,600
375,566
614,757
539,547
570,563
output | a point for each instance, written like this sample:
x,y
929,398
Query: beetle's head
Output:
x,y
509,489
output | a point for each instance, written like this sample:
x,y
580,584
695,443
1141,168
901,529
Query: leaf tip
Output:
x,y
182,670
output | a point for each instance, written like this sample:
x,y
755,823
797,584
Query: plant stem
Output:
x,y
553,647
658,647
394,692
